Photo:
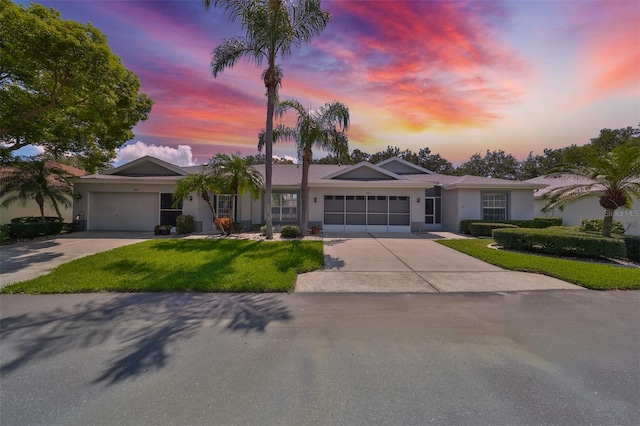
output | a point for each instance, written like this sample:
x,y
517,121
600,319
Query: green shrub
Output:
x,y
545,221
290,231
184,224
559,241
256,227
595,225
35,219
484,229
4,233
538,222
632,242
263,229
33,230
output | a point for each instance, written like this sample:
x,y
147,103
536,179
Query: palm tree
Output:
x,y
617,174
322,128
39,180
273,28
234,176
200,184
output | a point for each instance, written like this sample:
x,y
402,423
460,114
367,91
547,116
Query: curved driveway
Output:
x,y
409,263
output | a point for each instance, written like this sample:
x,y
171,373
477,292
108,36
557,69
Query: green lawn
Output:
x,y
183,266
591,275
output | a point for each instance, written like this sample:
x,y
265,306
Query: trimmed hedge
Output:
x,y
33,230
35,219
558,241
633,247
595,225
537,222
184,224
483,229
289,231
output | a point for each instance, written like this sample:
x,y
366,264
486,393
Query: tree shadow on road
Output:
x,y
141,326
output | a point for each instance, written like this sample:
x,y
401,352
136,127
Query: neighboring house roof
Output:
x,y
393,172
555,182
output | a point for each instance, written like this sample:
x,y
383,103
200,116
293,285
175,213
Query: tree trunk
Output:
x,y
232,210
40,201
307,156
607,223
271,83
205,197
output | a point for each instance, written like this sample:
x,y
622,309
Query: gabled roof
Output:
x,y
147,166
402,167
364,171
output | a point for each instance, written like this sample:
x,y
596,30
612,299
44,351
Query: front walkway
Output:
x,y
410,263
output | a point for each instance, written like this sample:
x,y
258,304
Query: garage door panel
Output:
x,y
112,211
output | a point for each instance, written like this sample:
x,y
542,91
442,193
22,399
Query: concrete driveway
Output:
x,y
408,263
24,261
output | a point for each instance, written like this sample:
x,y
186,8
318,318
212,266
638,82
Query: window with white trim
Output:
x,y
284,207
494,206
224,205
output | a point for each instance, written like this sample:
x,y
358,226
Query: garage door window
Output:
x,y
169,213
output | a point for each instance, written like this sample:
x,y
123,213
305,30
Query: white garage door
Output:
x,y
367,213
124,211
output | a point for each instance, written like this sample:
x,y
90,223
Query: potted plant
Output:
x,y
165,229
156,230
315,230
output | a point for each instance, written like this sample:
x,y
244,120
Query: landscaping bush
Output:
x,y
263,229
538,223
595,225
226,222
483,229
184,224
256,227
33,230
632,242
36,219
558,241
289,231
4,233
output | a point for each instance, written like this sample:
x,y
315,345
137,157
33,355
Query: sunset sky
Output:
x,y
457,77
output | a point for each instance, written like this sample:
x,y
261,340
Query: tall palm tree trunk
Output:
x,y
307,156
271,83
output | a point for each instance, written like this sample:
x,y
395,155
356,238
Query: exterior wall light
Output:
x,y
315,199
418,200
78,197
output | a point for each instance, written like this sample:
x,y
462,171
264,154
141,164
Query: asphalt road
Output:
x,y
548,357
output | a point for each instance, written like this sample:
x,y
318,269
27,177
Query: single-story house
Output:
x,y
31,208
584,208
391,196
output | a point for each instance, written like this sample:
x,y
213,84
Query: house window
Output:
x,y
224,205
494,206
284,207
169,213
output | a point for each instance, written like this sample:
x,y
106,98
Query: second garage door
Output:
x,y
124,211
367,213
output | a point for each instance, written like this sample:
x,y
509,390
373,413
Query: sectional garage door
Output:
x,y
113,211
367,213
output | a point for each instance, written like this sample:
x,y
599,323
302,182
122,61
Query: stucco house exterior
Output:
x,y
585,208
391,196
32,209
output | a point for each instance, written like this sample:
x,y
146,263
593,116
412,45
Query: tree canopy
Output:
x,y
62,88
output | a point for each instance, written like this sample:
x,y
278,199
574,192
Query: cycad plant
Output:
x,y
616,174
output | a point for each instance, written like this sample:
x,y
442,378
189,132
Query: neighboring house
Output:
x,y
585,208
391,196
32,209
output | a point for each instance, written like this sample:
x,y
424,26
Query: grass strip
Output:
x,y
183,265
592,275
